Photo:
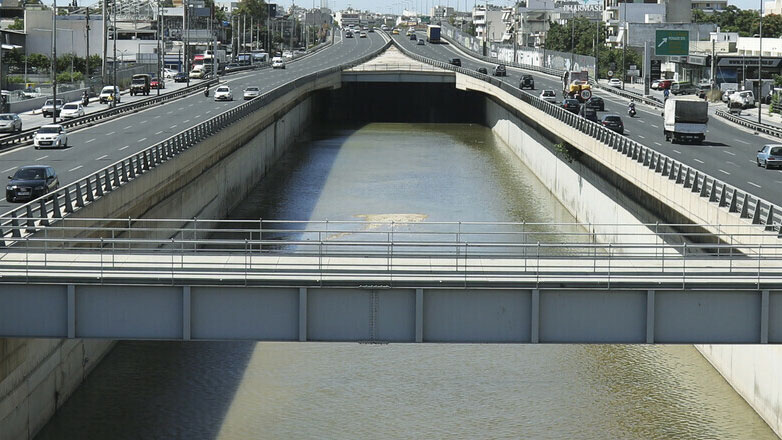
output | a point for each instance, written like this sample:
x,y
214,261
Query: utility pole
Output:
x,y
115,94
186,61
624,51
87,28
714,58
760,64
597,51
54,60
104,14
160,78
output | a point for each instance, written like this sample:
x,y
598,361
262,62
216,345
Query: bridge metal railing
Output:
x,y
762,128
473,253
71,197
748,206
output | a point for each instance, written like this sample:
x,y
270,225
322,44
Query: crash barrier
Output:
x,y
748,206
761,128
68,199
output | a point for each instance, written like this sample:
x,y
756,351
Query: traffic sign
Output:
x,y
671,42
610,73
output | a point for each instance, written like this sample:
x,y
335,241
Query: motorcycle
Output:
x,y
85,100
631,112
206,92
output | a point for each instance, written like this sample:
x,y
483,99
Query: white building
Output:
x,y
441,12
489,25
617,14
709,6
347,18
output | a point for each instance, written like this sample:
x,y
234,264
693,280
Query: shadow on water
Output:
x,y
148,390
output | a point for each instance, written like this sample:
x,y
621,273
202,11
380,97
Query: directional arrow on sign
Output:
x,y
665,40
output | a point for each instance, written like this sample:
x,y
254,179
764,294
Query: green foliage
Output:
x,y
775,104
17,25
13,79
67,77
777,80
252,8
567,152
39,61
744,21
13,57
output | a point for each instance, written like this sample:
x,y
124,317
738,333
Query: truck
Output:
x,y
575,84
219,54
139,84
433,33
685,120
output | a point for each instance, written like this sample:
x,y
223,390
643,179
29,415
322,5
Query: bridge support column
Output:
x,y
764,317
419,315
186,313
650,316
535,317
71,311
302,314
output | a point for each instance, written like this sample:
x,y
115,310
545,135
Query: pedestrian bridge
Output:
x,y
387,282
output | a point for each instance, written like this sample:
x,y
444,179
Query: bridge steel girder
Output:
x,y
378,314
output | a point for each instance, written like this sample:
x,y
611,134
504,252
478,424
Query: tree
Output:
x,y
13,57
253,8
17,25
39,61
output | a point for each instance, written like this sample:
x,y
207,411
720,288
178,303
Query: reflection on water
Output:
x,y
420,173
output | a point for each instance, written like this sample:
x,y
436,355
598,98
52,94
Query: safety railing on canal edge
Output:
x,y
748,206
69,198
146,251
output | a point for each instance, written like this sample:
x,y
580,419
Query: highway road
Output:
x,y
727,154
91,149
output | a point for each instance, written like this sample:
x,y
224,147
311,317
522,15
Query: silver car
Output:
x,y
10,122
252,92
549,96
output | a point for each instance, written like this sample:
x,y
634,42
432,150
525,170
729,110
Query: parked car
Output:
x,y
549,96
223,93
596,103
770,156
278,63
499,70
395,32
180,77
615,82
252,92
30,182
72,110
664,84
455,62
527,81
50,107
572,105
53,135
106,94
480,69
10,122
421,42
613,122
683,89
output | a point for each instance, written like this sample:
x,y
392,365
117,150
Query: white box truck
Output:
x,y
685,119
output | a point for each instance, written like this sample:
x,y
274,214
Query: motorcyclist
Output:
x,y
206,91
631,108
85,98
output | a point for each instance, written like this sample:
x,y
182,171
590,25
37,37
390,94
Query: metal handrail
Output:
x,y
762,128
69,198
745,204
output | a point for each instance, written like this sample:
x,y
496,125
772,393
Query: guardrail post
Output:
x,y
79,195
679,175
704,187
723,194
106,180
116,175
713,191
686,181
44,214
156,157
146,160
733,202
745,207
672,172
30,216
696,182
56,213
98,188
131,167
68,201
124,171
756,214
770,218
15,232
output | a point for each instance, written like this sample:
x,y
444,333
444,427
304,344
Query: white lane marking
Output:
x,y
723,171
75,168
168,113
655,126
196,116
743,142
126,146
10,169
42,157
641,137
110,133
144,121
181,108
698,160
677,151
128,127
752,161
208,111
641,121
172,127
658,144
102,157
190,105
158,133
142,139
90,141
728,152
729,162
185,122
754,184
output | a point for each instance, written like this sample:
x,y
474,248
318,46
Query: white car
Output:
x,y
252,92
287,54
615,82
52,136
169,73
223,93
72,110
106,94
278,63
726,95
549,96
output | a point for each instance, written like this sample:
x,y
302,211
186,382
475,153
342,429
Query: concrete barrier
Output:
x,y
37,103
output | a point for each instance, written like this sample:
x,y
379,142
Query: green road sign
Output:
x,y
670,42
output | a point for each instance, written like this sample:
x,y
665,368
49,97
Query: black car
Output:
x,y
232,67
413,37
499,70
180,77
483,70
455,62
349,35
613,122
596,103
588,112
31,182
527,81
572,105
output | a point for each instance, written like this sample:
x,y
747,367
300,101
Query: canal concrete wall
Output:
x,y
38,375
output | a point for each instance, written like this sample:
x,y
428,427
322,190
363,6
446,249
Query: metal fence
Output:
x,y
426,253
762,128
69,198
746,205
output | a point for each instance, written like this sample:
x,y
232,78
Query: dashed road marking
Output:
x,y
677,151
102,157
698,160
90,141
724,172
75,168
641,137
126,146
655,126
161,131
743,142
658,144
42,157
729,152
128,127
110,133
10,169
185,122
142,139
144,121
754,184
173,126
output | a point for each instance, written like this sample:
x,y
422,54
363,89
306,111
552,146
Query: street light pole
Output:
x,y
114,32
760,64
160,78
54,61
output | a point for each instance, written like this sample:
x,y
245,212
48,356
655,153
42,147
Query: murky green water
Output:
x,y
417,173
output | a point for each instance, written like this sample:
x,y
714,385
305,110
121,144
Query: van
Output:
x,y
744,98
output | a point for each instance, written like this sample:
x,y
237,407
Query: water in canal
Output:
x,y
242,390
